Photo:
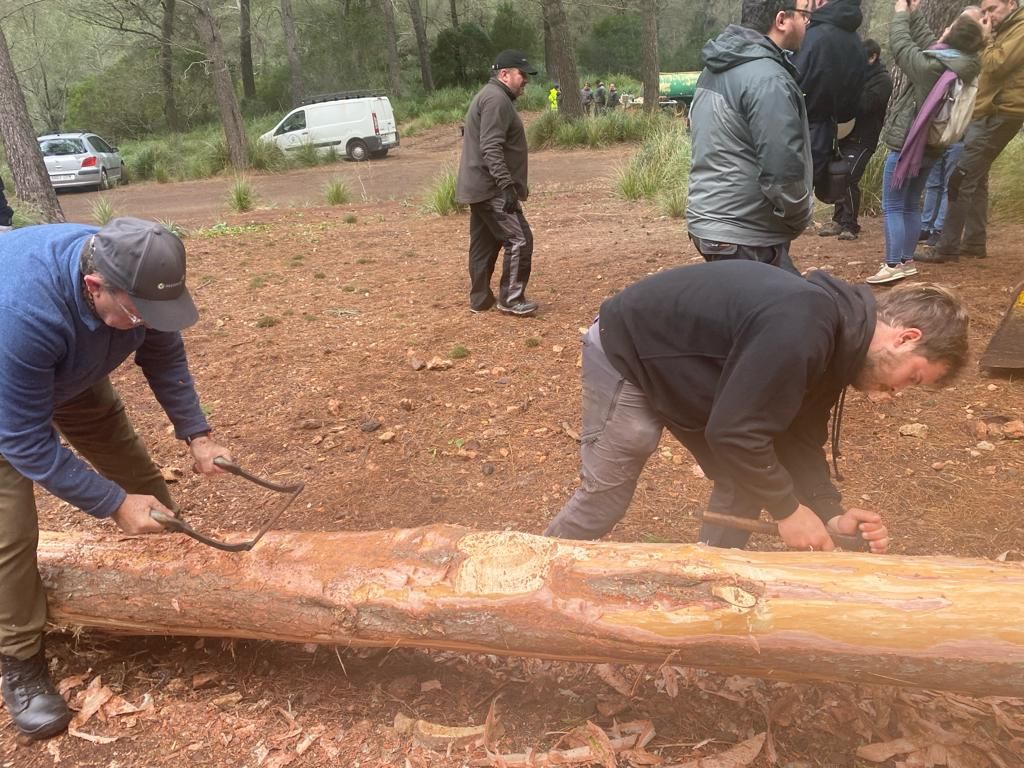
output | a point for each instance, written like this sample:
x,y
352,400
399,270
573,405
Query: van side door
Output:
x,y
292,131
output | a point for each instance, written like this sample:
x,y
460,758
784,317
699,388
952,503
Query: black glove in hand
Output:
x,y
956,178
511,199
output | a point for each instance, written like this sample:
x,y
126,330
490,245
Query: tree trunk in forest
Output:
x,y
394,64
28,171
549,51
649,53
455,14
223,88
167,67
245,49
422,44
941,13
930,622
564,59
292,45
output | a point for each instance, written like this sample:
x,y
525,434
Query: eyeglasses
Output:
x,y
802,11
136,320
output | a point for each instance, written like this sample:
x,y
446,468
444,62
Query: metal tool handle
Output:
x,y
849,543
178,525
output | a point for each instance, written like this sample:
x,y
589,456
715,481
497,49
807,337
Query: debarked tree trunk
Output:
x,y
930,622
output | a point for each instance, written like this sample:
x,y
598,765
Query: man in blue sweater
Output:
x,y
75,302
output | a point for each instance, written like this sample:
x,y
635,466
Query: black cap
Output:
x,y
147,262
514,60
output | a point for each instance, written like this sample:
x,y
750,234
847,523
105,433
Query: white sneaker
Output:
x,y
889,274
908,269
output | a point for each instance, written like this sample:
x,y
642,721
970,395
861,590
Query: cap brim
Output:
x,y
531,72
173,315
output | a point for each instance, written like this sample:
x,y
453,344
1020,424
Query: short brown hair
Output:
x,y
965,34
938,313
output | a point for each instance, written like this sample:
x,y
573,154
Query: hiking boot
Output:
x,y
848,235
520,308
37,709
932,240
973,251
935,256
925,234
890,274
831,230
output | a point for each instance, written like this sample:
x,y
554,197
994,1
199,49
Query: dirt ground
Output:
x,y
309,317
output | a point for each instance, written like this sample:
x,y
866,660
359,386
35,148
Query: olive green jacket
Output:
x,y
909,39
1001,87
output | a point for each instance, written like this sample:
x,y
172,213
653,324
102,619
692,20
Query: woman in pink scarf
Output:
x,y
929,68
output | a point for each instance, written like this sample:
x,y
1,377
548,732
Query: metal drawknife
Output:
x,y
180,526
849,543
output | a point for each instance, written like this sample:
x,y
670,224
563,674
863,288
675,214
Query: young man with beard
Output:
x,y
492,181
750,185
743,363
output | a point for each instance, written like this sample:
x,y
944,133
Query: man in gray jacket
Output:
x,y
492,181
751,187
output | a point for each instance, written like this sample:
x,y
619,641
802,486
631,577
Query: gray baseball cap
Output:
x,y
147,262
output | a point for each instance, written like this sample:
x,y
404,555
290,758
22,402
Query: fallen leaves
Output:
x,y
99,700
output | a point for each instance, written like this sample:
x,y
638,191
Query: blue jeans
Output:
x,y
902,210
935,201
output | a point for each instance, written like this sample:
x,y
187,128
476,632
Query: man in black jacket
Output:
x,y
831,66
743,362
492,181
6,212
859,145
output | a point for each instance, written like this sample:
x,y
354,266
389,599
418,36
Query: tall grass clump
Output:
x,y
871,183
240,196
1006,183
659,170
306,155
265,155
441,198
102,211
336,192
552,129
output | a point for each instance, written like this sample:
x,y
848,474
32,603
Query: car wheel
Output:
x,y
357,150
104,181
379,153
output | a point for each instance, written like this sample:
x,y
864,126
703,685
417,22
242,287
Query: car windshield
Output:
x,y
58,147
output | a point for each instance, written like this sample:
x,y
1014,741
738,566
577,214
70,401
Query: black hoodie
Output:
x,y
744,361
831,62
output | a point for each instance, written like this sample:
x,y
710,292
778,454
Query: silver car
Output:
x,y
82,160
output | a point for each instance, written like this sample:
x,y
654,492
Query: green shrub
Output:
x,y
306,155
552,129
265,155
871,184
459,351
102,211
1006,183
441,198
660,169
240,196
336,192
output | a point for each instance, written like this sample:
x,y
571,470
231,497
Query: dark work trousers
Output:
x,y
777,255
620,432
490,229
95,424
966,216
848,206
823,140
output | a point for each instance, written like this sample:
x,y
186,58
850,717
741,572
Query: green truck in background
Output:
x,y
675,92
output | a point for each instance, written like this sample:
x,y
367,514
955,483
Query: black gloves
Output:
x,y
956,178
511,199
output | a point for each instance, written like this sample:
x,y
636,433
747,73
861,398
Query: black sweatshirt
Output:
x,y
744,361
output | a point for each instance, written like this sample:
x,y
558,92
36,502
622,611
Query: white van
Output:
x,y
359,124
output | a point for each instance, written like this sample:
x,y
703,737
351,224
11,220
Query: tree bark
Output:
x,y
564,58
394,64
454,13
223,88
292,45
28,171
422,45
649,53
926,622
245,49
167,67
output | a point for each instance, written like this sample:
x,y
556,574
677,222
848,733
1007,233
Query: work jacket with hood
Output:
x,y
750,183
874,99
909,38
744,362
831,63
494,153
1001,86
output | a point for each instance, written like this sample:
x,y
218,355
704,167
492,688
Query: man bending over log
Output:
x,y
742,363
75,302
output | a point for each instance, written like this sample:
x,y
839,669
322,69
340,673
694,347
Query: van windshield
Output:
x,y
294,122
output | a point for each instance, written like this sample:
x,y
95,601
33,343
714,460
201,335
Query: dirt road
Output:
x,y
406,174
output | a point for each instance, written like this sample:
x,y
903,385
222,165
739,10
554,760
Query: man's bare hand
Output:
x,y
914,4
133,518
901,6
804,530
865,522
204,451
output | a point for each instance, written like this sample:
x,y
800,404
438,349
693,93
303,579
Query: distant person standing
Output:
x,y
750,185
998,117
553,96
600,98
6,212
860,144
613,98
492,180
587,97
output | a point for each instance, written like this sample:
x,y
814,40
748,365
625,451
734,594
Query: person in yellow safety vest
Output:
x,y
553,97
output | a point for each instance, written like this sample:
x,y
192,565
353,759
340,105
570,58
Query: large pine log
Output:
x,y
931,622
